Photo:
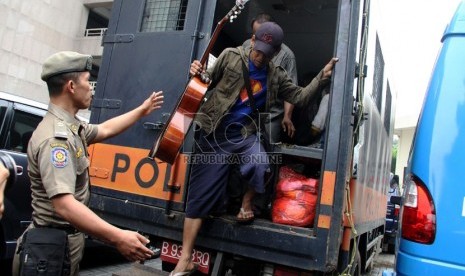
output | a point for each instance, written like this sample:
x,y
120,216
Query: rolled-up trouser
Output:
x,y
76,244
320,117
210,171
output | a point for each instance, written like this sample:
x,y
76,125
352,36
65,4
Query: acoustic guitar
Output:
x,y
168,144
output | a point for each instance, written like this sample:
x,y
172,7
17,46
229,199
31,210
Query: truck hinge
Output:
x,y
106,103
357,71
198,35
99,172
154,126
118,38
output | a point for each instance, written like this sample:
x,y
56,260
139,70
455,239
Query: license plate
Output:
x,y
171,252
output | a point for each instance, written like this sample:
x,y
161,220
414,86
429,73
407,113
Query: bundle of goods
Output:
x,y
295,199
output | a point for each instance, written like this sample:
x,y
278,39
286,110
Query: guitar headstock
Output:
x,y
241,2
236,10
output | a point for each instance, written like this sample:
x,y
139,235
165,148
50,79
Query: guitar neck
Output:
x,y
230,16
212,41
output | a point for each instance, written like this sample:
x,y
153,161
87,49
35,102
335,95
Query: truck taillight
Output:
x,y
419,215
285,271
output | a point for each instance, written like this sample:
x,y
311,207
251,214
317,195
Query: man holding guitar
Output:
x,y
281,115
244,85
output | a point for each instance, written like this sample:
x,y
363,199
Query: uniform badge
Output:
x,y
74,128
60,157
79,153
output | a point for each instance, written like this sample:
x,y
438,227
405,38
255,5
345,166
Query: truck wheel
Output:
x,y
166,266
392,248
384,245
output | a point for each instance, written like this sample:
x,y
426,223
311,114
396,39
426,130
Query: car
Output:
x,y
19,117
432,236
392,217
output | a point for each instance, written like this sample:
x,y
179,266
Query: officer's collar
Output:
x,y
71,121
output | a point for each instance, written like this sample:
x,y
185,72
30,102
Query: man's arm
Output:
x,y
129,243
286,123
119,124
303,96
289,64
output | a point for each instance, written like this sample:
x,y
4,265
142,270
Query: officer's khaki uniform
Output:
x,y
58,164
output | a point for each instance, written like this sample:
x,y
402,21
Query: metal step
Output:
x,y
140,270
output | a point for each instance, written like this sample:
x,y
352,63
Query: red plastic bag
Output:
x,y
296,197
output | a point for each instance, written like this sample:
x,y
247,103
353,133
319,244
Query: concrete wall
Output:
x,y
32,30
90,45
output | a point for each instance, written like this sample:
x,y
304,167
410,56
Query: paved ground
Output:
x,y
106,262
122,269
117,266
383,262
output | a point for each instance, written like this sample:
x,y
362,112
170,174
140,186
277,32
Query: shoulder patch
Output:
x,y
60,130
59,156
59,145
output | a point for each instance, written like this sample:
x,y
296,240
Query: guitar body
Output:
x,y
166,148
173,135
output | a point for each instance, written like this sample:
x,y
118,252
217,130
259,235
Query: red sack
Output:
x,y
296,197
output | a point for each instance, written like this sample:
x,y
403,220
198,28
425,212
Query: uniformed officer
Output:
x,y
58,160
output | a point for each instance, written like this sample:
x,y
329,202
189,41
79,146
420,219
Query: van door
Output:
x,y
17,124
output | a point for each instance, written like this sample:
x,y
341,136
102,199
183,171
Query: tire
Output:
x,y
391,248
166,266
384,245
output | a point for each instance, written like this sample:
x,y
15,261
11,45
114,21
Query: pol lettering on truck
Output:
x,y
129,170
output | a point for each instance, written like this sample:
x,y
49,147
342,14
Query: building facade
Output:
x,y
32,30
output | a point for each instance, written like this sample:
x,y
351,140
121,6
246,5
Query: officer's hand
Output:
x,y
328,69
4,174
132,246
196,68
153,102
288,126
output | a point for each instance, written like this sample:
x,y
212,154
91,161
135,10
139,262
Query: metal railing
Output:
x,y
95,32
93,85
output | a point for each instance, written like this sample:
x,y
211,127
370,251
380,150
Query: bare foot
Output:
x,y
245,215
184,266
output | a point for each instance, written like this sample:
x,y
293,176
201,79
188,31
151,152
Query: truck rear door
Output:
x,y
148,47
157,29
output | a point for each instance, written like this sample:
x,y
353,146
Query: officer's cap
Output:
x,y
65,62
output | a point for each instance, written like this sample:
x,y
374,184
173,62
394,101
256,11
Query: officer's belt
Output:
x,y
70,230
